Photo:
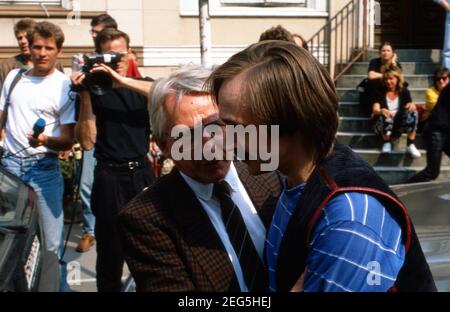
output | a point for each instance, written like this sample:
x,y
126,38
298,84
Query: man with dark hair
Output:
x,y
117,124
277,33
104,21
337,226
41,92
100,23
111,34
87,240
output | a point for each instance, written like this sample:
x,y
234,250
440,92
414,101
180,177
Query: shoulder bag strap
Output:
x,y
8,97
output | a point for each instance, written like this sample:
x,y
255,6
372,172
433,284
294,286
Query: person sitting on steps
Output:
x,y
394,113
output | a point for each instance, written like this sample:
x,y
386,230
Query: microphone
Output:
x,y
38,128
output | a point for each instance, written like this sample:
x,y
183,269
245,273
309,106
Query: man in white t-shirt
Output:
x,y
42,92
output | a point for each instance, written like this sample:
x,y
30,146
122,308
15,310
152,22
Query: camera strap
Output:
x,y
8,97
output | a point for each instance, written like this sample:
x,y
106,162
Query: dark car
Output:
x,y
24,263
429,207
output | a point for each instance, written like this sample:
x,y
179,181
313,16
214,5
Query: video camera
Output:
x,y
98,83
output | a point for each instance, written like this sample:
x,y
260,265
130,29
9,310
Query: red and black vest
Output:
x,y
341,172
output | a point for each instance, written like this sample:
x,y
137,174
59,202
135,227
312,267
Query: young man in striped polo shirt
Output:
x,y
337,225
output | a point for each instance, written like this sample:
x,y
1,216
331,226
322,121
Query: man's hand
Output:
x,y
141,86
64,155
41,140
118,80
77,81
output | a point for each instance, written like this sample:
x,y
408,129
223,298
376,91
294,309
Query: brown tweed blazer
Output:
x,y
171,245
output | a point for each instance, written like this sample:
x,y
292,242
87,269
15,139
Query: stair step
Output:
x,y
397,158
399,175
409,68
352,95
355,124
369,140
354,109
410,55
414,81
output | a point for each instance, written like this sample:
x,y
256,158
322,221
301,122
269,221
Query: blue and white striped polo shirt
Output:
x,y
356,244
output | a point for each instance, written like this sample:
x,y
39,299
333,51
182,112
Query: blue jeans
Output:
x,y
43,174
87,178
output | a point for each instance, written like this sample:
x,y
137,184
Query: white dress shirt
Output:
x,y
255,227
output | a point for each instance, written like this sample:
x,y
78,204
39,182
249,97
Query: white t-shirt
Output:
x,y
393,105
33,98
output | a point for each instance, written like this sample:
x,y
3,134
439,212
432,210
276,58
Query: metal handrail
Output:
x,y
343,39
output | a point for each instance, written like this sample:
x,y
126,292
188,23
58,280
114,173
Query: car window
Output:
x,y
9,192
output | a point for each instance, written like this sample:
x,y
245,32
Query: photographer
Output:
x,y
116,122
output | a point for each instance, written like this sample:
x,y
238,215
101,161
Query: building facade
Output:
x,y
165,34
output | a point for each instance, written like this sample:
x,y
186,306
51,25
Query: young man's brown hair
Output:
x,y
25,24
277,33
110,34
286,86
47,30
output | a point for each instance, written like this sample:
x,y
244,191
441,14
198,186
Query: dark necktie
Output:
x,y
252,267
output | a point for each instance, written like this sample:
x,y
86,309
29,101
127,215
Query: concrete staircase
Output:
x,y
356,128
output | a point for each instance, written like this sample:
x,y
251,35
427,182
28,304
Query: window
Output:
x,y
265,2
15,2
297,8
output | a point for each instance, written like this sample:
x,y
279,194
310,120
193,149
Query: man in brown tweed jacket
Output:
x,y
174,237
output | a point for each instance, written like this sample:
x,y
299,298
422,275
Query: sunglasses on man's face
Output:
x,y
442,78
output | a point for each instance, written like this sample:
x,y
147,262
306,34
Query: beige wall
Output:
x,y
164,27
153,24
336,5
77,35
127,13
164,18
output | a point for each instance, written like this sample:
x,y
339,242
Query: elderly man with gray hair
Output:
x,y
176,233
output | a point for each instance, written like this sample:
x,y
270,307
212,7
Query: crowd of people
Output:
x,y
315,224
386,96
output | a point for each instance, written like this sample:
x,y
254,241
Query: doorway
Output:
x,y
414,24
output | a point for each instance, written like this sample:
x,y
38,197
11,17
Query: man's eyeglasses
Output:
x,y
442,78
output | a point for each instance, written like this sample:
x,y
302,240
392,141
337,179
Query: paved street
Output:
x,y
84,279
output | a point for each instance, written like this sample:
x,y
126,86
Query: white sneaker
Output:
x,y
413,151
387,147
